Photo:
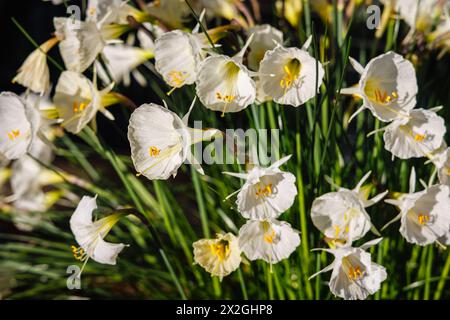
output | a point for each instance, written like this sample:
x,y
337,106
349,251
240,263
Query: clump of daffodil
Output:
x,y
220,256
354,276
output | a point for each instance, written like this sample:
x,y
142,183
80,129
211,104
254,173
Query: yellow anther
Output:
x,y
337,230
265,191
13,134
354,273
383,97
419,137
423,219
78,107
78,253
154,151
292,72
176,78
269,236
221,249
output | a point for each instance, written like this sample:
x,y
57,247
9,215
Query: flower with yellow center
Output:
x,y
424,215
161,141
268,240
418,135
224,83
19,124
387,86
442,163
172,13
341,215
90,235
266,193
77,101
288,75
220,256
354,275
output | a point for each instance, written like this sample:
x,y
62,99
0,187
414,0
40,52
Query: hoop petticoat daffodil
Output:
x,y
19,125
161,141
77,101
341,215
424,215
417,134
266,193
90,235
224,83
34,73
354,276
269,240
288,75
388,86
172,13
220,256
265,37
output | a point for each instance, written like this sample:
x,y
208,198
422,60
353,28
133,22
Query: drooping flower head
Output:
x,y
77,101
354,276
268,240
424,215
341,215
90,234
289,76
220,256
388,86
418,134
224,83
160,141
267,192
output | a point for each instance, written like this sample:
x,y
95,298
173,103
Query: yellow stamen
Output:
x,y
292,72
154,151
419,137
176,78
382,96
265,191
354,273
78,107
78,253
423,219
13,134
221,249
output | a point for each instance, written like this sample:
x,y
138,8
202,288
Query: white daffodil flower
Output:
x,y
110,11
341,215
266,193
424,216
224,83
77,101
354,276
34,73
265,37
419,15
416,135
289,76
172,13
388,86
269,240
122,61
19,124
178,55
224,8
82,41
442,163
90,235
161,141
220,256
440,38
